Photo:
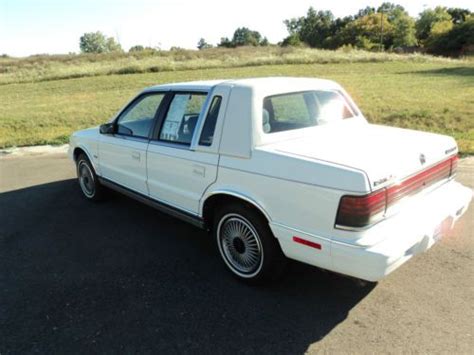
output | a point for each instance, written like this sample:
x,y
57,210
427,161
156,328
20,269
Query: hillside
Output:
x,y
45,98
53,67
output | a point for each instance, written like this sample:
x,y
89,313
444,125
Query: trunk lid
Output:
x,y
385,154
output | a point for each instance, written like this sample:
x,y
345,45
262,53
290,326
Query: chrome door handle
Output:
x,y
136,155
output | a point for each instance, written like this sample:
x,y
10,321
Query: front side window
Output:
x,y
137,119
181,119
303,109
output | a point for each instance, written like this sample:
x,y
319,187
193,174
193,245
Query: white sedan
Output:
x,y
278,168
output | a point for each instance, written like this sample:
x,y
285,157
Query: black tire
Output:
x,y
246,244
90,186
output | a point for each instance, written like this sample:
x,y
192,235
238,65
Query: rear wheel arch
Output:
x,y
218,198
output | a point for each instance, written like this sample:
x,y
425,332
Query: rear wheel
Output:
x,y
247,245
88,182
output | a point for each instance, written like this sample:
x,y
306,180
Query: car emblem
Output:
x,y
422,159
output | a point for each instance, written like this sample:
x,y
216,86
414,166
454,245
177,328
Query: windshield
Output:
x,y
295,110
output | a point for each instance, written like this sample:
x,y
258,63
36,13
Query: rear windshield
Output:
x,y
295,110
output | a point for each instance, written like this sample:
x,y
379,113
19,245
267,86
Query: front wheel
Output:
x,y
247,245
88,181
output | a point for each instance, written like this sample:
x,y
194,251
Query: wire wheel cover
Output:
x,y
240,244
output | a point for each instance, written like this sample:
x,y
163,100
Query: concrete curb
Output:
x,y
34,150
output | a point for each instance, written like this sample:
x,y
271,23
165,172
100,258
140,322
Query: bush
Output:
x,y
132,69
97,42
137,48
346,48
292,40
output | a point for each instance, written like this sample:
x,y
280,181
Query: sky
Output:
x,y
55,26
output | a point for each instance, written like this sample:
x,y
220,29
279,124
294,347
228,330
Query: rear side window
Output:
x,y
209,127
303,109
290,108
181,118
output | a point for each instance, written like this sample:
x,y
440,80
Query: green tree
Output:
x,y
458,15
202,44
366,32
264,42
404,33
455,42
338,36
403,26
428,18
439,30
316,27
391,11
97,42
226,43
246,37
368,10
243,37
293,25
112,45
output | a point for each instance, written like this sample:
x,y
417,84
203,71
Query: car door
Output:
x,y
182,165
122,155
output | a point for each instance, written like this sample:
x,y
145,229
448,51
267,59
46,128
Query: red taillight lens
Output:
x,y
419,181
360,211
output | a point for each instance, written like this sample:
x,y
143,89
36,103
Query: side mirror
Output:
x,y
107,128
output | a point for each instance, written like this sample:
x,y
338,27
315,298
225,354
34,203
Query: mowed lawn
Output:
x,y
437,97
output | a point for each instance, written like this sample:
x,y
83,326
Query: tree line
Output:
x,y
442,31
446,31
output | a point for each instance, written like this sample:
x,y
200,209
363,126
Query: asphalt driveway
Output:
x,y
118,276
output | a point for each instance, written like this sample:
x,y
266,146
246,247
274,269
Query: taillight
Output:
x,y
362,211
419,181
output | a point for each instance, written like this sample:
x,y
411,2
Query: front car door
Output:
x,y
182,161
122,155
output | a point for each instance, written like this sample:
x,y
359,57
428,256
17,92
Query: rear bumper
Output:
x,y
412,231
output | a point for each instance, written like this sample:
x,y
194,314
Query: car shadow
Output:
x,y
119,276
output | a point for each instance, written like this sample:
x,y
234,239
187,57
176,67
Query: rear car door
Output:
x,y
182,161
122,155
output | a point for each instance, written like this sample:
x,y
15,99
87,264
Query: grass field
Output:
x,y
415,92
54,67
